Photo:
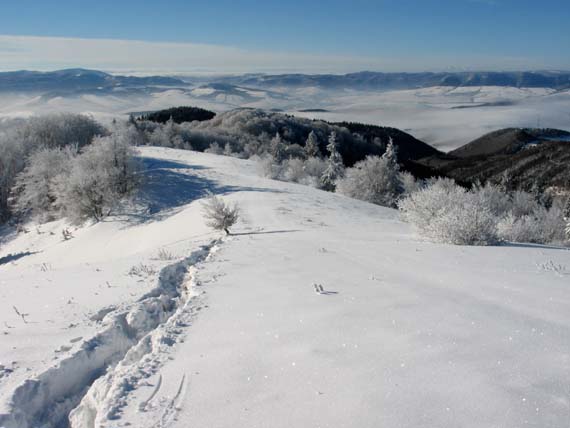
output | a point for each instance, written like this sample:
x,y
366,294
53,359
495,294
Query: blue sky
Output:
x,y
408,35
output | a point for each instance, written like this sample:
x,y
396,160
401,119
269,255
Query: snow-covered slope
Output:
x,y
231,331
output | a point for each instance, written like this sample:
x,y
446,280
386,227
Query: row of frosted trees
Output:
x,y
65,166
440,209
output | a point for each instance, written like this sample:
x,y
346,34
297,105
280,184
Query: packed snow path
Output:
x,y
327,312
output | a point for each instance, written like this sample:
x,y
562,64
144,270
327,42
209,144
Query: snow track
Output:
x,y
91,386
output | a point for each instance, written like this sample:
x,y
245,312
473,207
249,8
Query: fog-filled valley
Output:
x,y
444,116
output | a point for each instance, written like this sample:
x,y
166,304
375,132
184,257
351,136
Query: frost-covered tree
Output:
x,y
335,166
167,135
100,176
312,146
220,215
543,226
294,170
215,149
567,217
36,186
228,150
448,213
50,131
59,130
375,179
409,183
12,157
277,148
499,201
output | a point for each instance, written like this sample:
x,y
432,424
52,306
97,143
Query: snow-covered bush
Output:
x,y
448,213
542,226
494,198
100,176
167,135
307,172
315,168
269,168
214,149
409,183
375,179
220,215
294,170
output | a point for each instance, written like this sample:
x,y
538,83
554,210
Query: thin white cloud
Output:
x,y
132,56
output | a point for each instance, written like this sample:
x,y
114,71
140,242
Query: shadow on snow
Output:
x,y
16,256
170,185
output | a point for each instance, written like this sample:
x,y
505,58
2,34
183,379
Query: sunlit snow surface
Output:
x,y
446,117
406,333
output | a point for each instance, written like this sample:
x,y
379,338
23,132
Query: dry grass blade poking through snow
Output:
x,y
220,215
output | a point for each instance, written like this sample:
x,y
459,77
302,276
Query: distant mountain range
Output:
x,y
78,80
85,81
375,80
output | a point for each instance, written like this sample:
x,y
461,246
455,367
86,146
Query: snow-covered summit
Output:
x,y
318,311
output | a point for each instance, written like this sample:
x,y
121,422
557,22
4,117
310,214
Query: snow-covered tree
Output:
x,y
215,149
60,130
220,215
277,148
294,170
100,176
12,157
312,146
49,131
335,166
375,179
567,217
409,183
543,226
36,186
228,150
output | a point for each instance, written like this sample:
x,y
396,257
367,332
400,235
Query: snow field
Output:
x,y
404,332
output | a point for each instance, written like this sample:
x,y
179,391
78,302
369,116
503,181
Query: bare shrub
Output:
x,y
141,270
219,215
164,255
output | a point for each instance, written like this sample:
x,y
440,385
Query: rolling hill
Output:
x,y
521,158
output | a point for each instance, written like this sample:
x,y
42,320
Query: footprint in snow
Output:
x,y
63,348
319,289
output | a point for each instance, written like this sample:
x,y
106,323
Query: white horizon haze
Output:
x,y
148,57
